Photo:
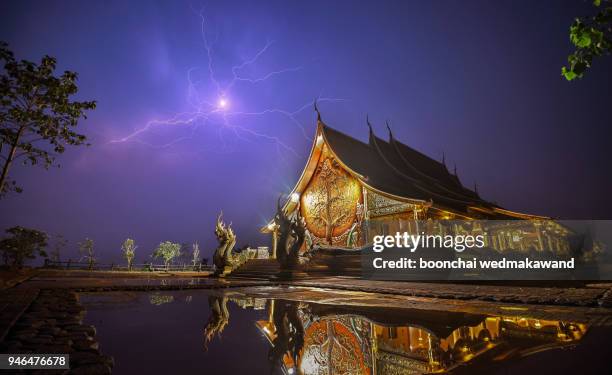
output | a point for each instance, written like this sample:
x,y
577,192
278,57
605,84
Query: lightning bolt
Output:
x,y
205,112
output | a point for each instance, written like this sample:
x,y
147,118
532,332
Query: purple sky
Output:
x,y
479,81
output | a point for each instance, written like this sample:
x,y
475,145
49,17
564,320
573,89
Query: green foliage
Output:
x,y
129,251
37,115
167,251
592,37
23,243
86,248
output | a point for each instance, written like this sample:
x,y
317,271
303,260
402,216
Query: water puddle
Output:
x,y
200,331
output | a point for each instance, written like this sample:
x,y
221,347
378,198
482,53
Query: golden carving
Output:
x,y
330,202
332,348
379,205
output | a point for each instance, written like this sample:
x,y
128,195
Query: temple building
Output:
x,y
349,191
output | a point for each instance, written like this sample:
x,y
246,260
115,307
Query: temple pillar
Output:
x,y
271,310
274,243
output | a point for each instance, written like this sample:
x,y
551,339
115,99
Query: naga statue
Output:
x,y
291,236
289,338
225,259
218,319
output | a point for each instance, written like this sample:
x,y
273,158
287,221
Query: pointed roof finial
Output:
x,y
317,110
368,122
389,129
455,169
475,188
443,158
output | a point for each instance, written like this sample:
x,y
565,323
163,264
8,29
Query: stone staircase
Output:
x,y
324,262
334,262
257,269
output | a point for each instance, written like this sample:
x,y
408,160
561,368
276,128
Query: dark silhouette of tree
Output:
x,y
23,244
37,117
86,248
58,246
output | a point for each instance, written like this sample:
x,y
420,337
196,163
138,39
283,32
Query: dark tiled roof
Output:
x,y
363,159
398,169
430,174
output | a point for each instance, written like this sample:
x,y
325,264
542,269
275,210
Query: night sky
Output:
x,y
479,81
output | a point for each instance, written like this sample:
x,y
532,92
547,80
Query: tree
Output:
x,y
60,243
23,243
592,37
37,116
86,248
196,254
129,251
167,251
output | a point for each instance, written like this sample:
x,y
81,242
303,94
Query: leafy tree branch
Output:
x,y
592,37
37,115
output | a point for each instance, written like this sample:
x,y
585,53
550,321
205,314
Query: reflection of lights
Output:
x,y
513,308
290,371
271,226
295,197
537,324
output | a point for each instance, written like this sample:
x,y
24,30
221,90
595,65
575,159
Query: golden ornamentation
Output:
x,y
224,258
332,348
330,202
379,205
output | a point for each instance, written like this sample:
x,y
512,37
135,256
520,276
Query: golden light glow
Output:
x,y
329,202
319,139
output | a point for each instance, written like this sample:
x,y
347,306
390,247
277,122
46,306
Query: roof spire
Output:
x,y
389,129
317,110
455,169
475,188
368,122
443,159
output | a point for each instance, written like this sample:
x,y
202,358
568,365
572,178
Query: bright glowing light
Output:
x,y
290,371
319,139
295,197
223,103
209,104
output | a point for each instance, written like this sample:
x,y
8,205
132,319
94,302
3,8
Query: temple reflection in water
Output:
x,y
323,339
